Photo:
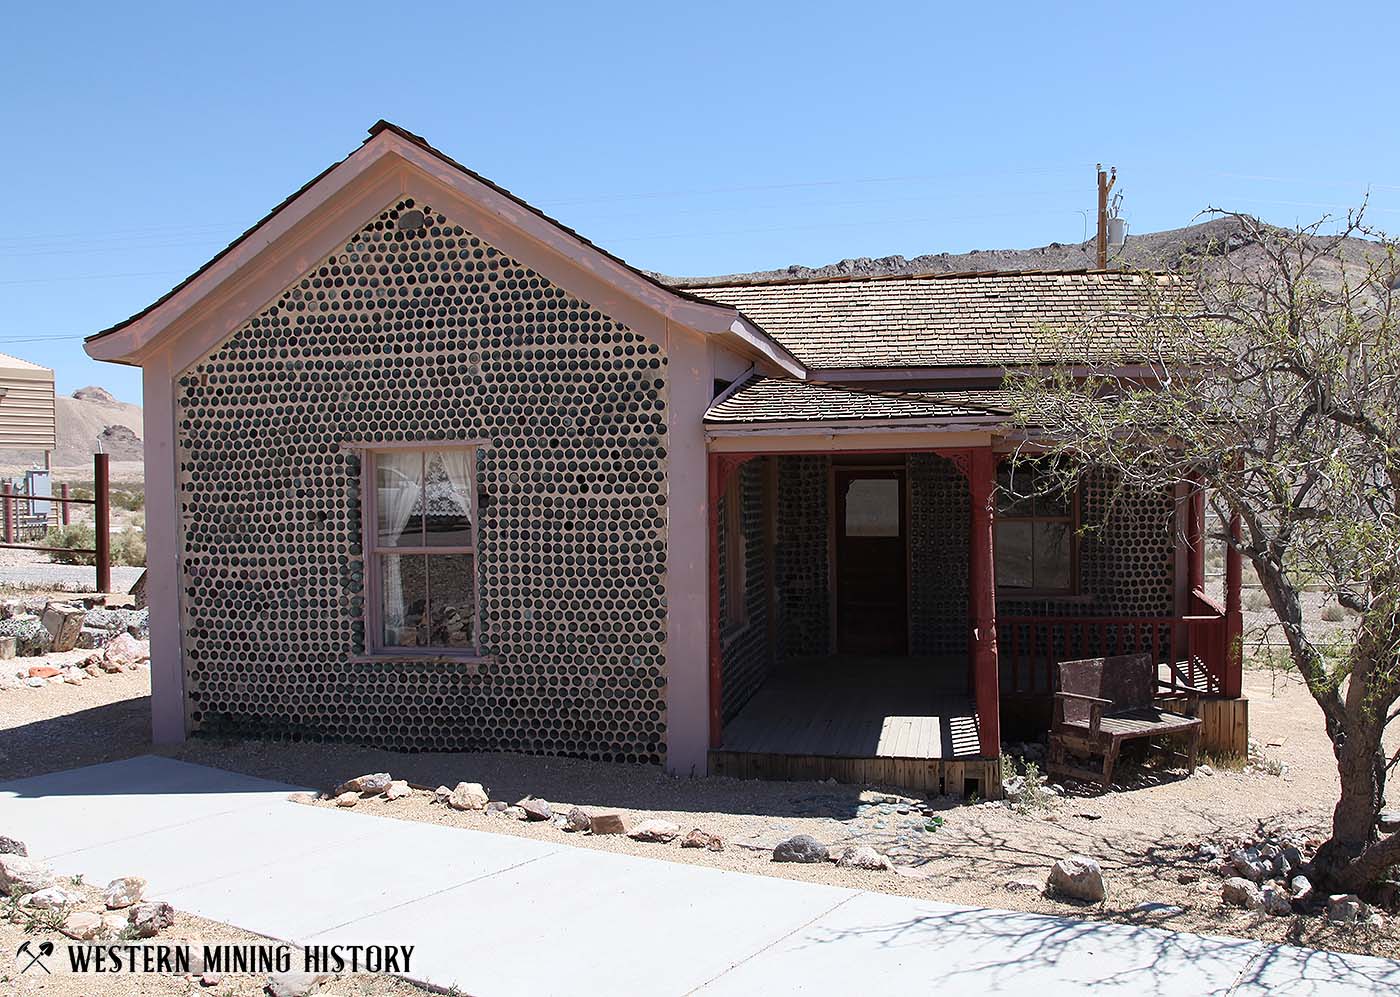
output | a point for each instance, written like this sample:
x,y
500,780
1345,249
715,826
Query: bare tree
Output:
x,y
1273,384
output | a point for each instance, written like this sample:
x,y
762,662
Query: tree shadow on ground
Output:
x,y
87,737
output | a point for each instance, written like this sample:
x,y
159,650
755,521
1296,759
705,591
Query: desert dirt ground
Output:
x,y
1145,833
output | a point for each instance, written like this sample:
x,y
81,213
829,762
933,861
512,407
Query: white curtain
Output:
x,y
400,491
458,465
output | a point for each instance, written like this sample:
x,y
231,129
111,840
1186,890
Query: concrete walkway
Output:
x,y
496,914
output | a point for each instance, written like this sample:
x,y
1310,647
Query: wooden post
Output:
x,y
9,503
63,505
103,525
1101,243
982,479
1233,679
1196,538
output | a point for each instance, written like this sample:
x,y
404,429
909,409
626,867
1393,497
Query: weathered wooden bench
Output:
x,y
1102,702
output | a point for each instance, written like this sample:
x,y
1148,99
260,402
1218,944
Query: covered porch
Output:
x,y
857,630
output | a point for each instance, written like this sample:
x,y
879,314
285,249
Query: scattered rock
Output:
x,y
210,979
302,797
125,652
51,898
442,794
468,796
1016,885
123,892
1345,908
398,789
1240,892
703,839
8,681
63,622
497,808
656,830
348,799
536,808
612,823
1187,876
151,918
295,984
36,683
83,925
1079,877
31,637
1388,820
800,848
12,846
515,813
9,647
43,672
366,785
1301,888
1276,900
577,820
863,857
23,873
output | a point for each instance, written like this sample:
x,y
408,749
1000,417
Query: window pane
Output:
x,y
453,600
1053,501
1013,549
1052,557
1014,489
872,508
448,496
403,584
399,498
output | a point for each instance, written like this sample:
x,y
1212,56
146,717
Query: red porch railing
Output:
x,y
1189,650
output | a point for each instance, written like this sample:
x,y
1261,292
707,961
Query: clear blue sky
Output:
x,y
688,138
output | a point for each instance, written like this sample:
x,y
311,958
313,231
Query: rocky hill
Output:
x,y
1168,250
89,420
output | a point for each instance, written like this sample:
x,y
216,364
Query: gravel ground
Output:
x,y
40,575
983,855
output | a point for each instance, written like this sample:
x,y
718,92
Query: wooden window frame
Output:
x,y
375,648
1071,520
736,573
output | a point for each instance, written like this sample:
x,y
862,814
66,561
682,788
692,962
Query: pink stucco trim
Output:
x,y
691,385
168,717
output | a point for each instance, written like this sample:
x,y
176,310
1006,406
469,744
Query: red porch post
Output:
x,y
982,479
1195,538
1233,679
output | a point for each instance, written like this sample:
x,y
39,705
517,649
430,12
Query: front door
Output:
x,y
871,561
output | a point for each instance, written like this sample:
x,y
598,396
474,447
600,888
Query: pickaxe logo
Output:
x,y
35,958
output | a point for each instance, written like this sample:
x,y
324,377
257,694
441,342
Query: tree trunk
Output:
x,y
1346,863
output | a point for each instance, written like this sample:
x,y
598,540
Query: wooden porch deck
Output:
x,y
858,707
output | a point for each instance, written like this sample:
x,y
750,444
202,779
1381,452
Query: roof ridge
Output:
x,y
934,275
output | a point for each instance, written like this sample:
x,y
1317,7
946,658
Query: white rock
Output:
x,y
1346,908
863,857
123,892
660,831
25,874
468,796
1078,876
398,789
1240,892
295,984
347,799
83,925
51,898
150,918
371,784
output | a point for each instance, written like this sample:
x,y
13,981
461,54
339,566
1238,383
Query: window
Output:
x,y
736,555
420,542
1035,532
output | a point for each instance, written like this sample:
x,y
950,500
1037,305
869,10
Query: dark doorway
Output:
x,y
872,565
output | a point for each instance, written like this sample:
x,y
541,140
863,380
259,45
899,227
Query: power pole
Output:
x,y
1105,185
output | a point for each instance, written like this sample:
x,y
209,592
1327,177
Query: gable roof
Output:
x,y
941,320
769,400
690,309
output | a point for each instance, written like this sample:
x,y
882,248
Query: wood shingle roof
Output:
x,y
767,399
943,320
